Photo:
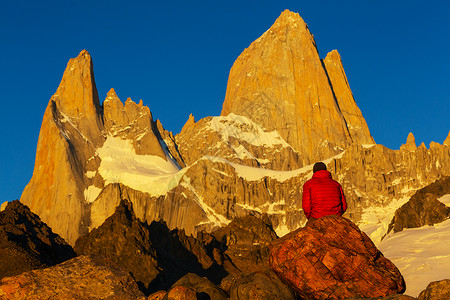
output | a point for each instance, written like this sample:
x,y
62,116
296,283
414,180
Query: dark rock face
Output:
x,y
260,285
83,277
204,288
246,240
125,241
436,290
27,243
153,254
332,259
423,208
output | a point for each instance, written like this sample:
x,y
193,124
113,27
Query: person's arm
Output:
x,y
344,202
306,200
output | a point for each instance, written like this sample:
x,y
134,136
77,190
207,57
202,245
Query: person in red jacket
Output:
x,y
322,196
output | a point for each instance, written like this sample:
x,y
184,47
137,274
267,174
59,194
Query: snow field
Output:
x,y
421,254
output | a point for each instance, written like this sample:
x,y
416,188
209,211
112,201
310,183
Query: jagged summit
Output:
x,y
447,140
410,143
77,93
281,83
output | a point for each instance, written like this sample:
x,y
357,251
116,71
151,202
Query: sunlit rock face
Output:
x,y
237,139
281,83
284,109
65,177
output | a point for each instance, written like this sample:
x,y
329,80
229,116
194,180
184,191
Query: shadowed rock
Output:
x,y
331,258
27,243
153,254
124,240
204,288
246,241
260,285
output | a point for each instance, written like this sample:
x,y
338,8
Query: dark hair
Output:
x,y
319,166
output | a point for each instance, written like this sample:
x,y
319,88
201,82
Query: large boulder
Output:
x,y
83,277
331,258
436,290
27,243
203,287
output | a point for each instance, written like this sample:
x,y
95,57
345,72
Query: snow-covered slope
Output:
x,y
421,254
147,173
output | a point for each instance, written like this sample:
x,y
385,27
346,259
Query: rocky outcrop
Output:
x,y
410,143
356,124
125,241
246,242
423,208
203,288
331,258
27,243
279,82
260,285
83,277
436,290
132,121
153,254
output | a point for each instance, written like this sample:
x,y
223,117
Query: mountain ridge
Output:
x,y
216,168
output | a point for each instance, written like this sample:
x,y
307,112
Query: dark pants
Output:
x,y
310,221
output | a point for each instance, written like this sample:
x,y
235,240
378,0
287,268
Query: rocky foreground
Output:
x,y
128,259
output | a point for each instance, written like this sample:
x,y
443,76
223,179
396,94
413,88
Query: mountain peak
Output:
x,y
111,94
447,140
77,93
410,143
280,83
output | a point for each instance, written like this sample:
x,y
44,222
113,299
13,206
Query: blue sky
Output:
x,y
176,56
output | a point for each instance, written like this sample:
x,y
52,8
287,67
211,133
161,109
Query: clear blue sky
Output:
x,y
176,56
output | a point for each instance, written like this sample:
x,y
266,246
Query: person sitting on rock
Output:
x,y
322,196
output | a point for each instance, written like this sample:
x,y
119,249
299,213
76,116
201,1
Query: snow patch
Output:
x,y
255,173
91,193
421,254
375,220
243,129
91,174
445,199
147,173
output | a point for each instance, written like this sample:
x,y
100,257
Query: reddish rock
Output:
x,y
181,293
331,258
159,295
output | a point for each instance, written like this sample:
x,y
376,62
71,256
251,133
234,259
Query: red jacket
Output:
x,y
323,196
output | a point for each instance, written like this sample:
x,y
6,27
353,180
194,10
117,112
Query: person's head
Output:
x,y
319,166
